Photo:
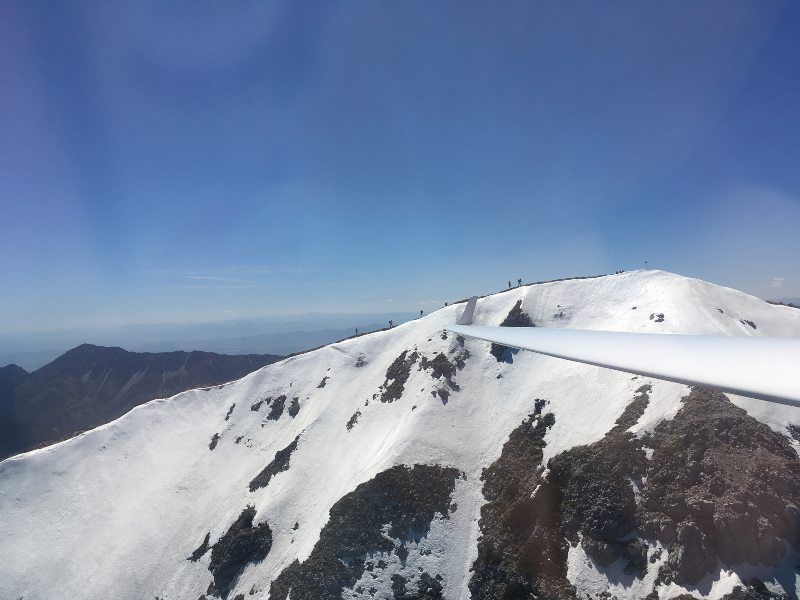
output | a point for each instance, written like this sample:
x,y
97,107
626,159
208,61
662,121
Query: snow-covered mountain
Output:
x,y
91,385
412,464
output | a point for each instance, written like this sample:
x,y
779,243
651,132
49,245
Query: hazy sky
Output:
x,y
207,160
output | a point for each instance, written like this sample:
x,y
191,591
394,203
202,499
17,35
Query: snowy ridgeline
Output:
x,y
412,464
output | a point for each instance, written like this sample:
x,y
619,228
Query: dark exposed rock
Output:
x,y
353,420
634,411
322,383
278,464
201,550
515,318
405,498
257,405
238,597
294,407
746,322
361,360
213,443
461,354
402,552
396,376
657,317
586,496
276,410
230,411
521,552
241,545
635,555
429,588
439,367
597,500
398,586
722,485
719,486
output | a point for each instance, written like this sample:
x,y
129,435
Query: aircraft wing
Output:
x,y
764,368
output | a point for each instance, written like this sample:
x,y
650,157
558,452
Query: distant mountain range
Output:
x,y
274,335
795,302
282,342
91,385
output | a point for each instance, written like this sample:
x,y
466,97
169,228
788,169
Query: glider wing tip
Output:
x,y
469,311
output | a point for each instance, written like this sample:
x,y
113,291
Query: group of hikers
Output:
x,y
519,284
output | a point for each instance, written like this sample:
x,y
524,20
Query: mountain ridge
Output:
x,y
89,385
170,479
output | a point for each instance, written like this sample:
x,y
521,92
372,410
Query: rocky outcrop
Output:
x,y
276,408
405,499
598,504
241,545
397,374
720,485
521,551
516,317
294,407
200,550
278,464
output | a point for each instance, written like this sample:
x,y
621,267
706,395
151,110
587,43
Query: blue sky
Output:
x,y
166,162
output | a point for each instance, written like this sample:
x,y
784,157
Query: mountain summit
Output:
x,y
411,463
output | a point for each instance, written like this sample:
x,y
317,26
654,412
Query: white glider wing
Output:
x,y
764,368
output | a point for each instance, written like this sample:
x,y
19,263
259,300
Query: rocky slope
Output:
x,y
90,385
413,464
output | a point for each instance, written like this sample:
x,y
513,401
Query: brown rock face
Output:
x,y
598,500
521,551
720,485
407,499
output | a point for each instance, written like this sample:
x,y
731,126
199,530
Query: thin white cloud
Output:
x,y
777,282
